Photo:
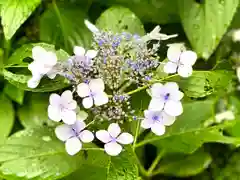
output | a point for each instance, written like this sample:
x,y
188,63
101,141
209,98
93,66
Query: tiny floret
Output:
x,y
62,108
180,60
43,62
84,57
113,138
92,93
236,35
73,136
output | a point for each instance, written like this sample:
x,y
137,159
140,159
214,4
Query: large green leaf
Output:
x,y
204,83
190,164
6,117
34,112
14,13
119,19
36,153
162,12
205,23
14,93
63,25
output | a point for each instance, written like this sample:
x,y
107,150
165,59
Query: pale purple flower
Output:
x,y
73,136
156,120
43,62
180,60
156,35
113,138
166,97
84,57
62,107
92,93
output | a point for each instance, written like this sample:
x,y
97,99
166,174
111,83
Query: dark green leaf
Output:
x,y
14,13
206,23
14,93
119,19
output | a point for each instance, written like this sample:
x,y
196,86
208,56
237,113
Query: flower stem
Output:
x,y
136,134
155,163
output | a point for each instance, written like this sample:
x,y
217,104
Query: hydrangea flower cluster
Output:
x,y
100,78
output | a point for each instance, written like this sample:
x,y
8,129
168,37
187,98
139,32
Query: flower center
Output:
x,y
166,97
114,140
155,118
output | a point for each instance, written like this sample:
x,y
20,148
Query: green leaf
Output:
x,y
190,164
46,85
63,25
204,83
25,51
14,13
34,112
162,12
119,19
6,117
36,153
205,23
14,93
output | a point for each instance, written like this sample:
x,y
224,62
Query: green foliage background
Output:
x,y
194,147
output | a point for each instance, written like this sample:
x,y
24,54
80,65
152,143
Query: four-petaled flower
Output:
x,y
73,136
156,120
180,60
112,139
62,107
85,58
43,62
166,97
92,92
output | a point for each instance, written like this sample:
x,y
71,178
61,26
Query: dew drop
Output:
x,y
46,138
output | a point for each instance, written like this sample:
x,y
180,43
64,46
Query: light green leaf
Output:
x,y
204,83
14,13
14,93
6,117
36,153
119,19
25,51
190,164
34,112
162,12
63,25
46,85
205,23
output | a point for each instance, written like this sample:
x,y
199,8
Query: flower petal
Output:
x,y
67,96
188,58
86,136
83,90
174,52
54,99
51,59
87,102
114,130
91,54
73,146
67,100
176,95
158,129
82,115
91,27
185,71
38,52
125,138
52,74
79,51
68,116
146,123
54,113
173,108
100,98
78,126
34,81
171,86
167,120
64,132
103,136
156,90
113,148
156,104
96,85
170,67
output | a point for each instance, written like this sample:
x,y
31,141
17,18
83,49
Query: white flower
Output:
x,y
166,97
73,136
236,35
84,57
92,93
43,62
91,27
180,60
156,120
62,108
156,35
112,139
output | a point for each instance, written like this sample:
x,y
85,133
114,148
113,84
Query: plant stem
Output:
x,y
136,134
155,163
